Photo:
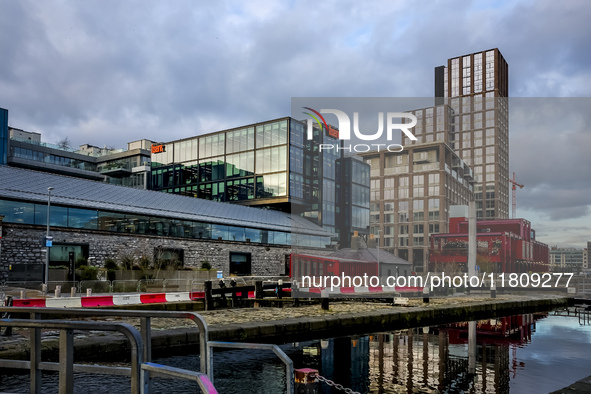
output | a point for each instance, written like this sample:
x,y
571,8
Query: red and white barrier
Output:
x,y
108,300
361,290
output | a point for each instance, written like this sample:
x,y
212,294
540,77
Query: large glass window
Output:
x,y
271,160
240,189
240,140
17,212
271,185
271,134
212,169
82,218
58,216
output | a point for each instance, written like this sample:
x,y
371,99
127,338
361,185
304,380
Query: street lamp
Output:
x,y
47,240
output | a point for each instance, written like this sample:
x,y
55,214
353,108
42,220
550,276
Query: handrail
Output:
x,y
66,351
202,379
145,326
289,372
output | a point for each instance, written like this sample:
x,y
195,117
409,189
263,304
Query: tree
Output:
x,y
64,143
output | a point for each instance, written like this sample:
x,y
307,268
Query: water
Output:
x,y
519,354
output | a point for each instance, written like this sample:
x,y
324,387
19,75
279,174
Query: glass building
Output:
x,y
269,165
3,136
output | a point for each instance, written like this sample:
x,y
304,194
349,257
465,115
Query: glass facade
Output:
x,y
270,164
117,222
235,165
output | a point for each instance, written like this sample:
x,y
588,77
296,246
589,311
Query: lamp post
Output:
x,y
47,242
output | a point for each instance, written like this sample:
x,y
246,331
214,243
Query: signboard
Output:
x,y
49,241
157,148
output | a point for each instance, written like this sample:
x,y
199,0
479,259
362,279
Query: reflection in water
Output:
x,y
462,357
517,354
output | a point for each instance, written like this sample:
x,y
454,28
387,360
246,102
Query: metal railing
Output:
x,y
145,323
289,372
66,366
202,379
141,366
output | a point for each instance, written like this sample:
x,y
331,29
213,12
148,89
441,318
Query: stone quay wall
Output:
x,y
23,244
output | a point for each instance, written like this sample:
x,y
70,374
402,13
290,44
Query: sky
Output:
x,y
109,72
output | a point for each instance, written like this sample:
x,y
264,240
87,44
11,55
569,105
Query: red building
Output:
x,y
503,245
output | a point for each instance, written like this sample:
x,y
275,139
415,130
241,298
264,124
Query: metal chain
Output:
x,y
335,385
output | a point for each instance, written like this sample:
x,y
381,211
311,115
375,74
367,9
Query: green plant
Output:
x,y
144,262
127,262
111,264
88,272
55,267
81,262
205,265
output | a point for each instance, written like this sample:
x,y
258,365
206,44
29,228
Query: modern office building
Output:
x,y
95,221
471,115
410,196
269,165
567,260
25,149
503,245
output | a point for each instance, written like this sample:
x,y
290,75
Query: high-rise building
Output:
x,y
270,165
476,87
410,196
471,116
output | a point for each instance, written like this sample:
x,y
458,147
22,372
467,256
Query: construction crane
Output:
x,y
513,196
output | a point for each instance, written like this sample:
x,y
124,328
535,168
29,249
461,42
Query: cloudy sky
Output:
x,y
108,72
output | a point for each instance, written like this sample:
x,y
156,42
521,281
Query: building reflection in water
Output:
x,y
470,357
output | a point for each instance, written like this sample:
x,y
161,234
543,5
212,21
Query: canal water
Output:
x,y
534,353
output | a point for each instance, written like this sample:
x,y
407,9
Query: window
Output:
x,y
240,264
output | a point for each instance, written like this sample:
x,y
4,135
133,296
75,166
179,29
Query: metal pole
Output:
x,y
472,238
49,189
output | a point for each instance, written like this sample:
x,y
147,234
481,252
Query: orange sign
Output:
x,y
157,148
333,132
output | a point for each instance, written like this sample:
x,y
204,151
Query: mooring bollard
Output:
x,y
58,291
22,294
88,292
324,302
208,296
305,381
426,295
72,291
493,290
279,289
44,289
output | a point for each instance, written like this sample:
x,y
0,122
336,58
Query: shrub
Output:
x,y
111,264
127,262
205,265
81,262
88,273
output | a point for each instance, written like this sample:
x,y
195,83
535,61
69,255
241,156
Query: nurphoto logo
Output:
x,y
343,132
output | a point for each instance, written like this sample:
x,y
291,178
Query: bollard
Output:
x,y
58,291
324,302
208,296
305,381
493,290
426,295
44,289
88,292
258,293
22,294
72,291
280,289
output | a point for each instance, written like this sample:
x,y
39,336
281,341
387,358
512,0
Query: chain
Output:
x,y
335,385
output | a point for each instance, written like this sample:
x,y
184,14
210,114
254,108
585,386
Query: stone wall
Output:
x,y
22,244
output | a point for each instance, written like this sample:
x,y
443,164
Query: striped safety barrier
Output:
x,y
112,299
361,290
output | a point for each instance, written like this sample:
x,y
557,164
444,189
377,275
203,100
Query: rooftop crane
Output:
x,y
513,196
